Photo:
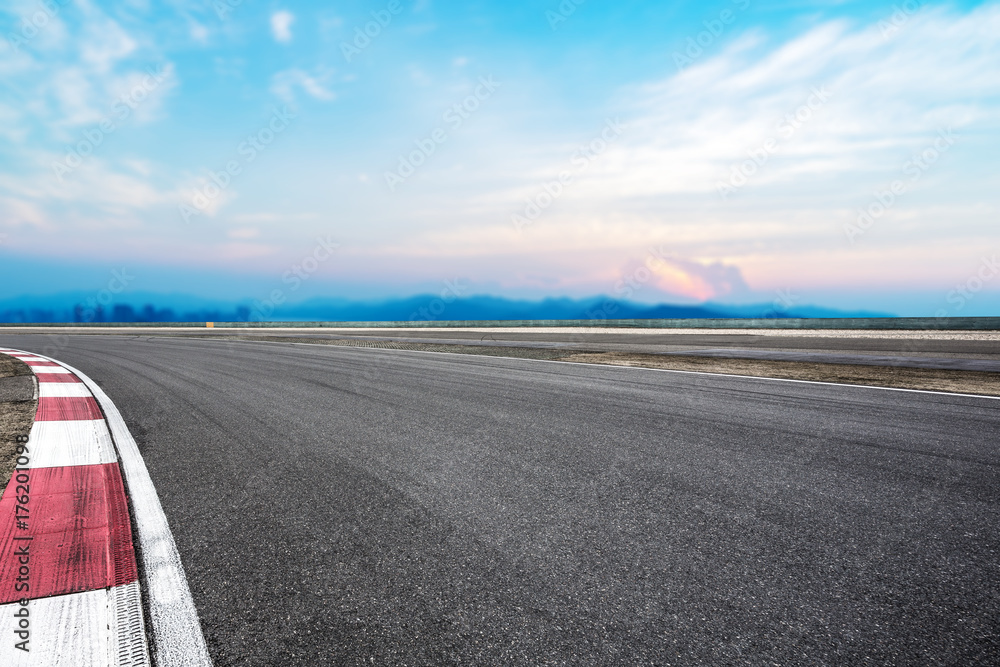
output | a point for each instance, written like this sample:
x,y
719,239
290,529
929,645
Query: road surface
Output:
x,y
338,505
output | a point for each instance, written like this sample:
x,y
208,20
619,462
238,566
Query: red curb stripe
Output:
x,y
67,408
57,377
81,538
41,362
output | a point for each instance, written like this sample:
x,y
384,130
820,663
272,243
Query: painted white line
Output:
x,y
46,370
62,389
644,368
176,637
54,444
761,377
91,628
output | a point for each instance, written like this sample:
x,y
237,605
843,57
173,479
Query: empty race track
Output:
x,y
363,506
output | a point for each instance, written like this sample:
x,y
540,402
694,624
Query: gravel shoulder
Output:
x,y
17,411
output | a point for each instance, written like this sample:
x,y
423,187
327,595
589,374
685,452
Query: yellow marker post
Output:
x,y
210,325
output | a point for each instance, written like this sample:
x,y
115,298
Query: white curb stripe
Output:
x,y
62,389
46,370
175,633
54,444
73,630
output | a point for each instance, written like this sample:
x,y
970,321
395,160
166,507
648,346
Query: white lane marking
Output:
x,y
53,444
62,390
662,370
761,377
176,636
77,630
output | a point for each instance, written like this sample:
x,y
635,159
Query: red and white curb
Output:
x,y
69,580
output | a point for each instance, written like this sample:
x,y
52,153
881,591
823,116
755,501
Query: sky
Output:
x,y
834,153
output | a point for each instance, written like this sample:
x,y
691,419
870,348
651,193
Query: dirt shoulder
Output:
x,y
961,382
17,411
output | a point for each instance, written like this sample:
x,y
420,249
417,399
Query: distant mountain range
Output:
x,y
428,307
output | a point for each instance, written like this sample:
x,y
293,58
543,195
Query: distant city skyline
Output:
x,y
832,154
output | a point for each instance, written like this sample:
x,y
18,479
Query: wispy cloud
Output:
x,y
885,96
883,99
281,26
285,83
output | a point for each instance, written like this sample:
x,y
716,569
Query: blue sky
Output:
x,y
843,153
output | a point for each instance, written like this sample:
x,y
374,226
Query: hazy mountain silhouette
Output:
x,y
72,307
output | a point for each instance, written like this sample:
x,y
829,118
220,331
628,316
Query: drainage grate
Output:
x,y
128,631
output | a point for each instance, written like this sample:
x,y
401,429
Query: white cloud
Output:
x,y
65,89
265,217
17,211
886,97
104,43
141,167
281,25
657,182
243,233
284,83
199,33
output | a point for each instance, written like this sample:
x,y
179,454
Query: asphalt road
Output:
x,y
337,505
